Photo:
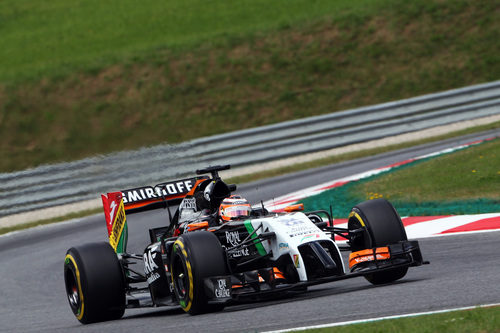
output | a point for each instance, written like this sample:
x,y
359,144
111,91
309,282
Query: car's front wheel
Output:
x,y
195,256
381,226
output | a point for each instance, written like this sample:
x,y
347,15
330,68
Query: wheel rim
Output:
x,y
180,277
360,242
72,291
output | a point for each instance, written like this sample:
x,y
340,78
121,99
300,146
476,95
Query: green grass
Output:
x,y
49,38
472,173
479,320
463,182
85,78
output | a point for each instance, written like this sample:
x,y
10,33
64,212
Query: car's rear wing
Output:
x,y
152,197
118,204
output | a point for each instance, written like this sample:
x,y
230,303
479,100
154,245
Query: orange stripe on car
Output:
x,y
143,203
294,208
382,253
197,226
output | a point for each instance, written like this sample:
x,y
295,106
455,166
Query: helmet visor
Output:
x,y
236,211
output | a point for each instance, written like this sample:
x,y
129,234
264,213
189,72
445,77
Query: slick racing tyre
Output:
x,y
95,284
382,226
195,256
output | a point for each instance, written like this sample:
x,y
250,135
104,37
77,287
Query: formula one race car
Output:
x,y
218,249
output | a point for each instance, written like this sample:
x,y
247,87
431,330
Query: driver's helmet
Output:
x,y
234,207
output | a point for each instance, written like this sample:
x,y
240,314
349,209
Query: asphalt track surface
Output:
x,y
464,271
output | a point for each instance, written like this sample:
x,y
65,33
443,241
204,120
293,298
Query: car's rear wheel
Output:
x,y
195,256
381,226
95,285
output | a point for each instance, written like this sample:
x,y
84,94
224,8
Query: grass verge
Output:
x,y
462,182
478,320
93,34
472,173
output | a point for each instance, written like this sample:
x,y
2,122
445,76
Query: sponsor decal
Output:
x,y
297,227
283,246
309,237
233,238
296,260
237,202
110,204
290,221
161,190
221,290
301,230
149,263
188,203
369,258
155,276
112,211
116,223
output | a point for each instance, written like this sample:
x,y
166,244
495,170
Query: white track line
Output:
x,y
381,318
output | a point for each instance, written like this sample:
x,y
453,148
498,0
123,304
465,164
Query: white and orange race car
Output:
x,y
203,264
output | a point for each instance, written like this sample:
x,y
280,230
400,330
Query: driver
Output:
x,y
233,208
